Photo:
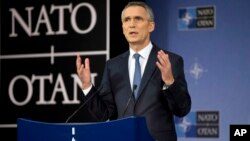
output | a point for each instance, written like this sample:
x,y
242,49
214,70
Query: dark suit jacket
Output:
x,y
157,105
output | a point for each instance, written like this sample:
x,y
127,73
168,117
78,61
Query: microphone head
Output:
x,y
134,87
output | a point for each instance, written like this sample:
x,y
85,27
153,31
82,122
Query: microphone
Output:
x,y
126,108
83,104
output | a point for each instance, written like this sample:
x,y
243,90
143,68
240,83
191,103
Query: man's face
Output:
x,y
136,26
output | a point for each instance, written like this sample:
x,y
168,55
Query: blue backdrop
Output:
x,y
217,61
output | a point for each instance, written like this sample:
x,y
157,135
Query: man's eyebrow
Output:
x,y
132,17
138,17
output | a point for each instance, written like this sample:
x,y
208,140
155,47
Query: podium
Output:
x,y
126,129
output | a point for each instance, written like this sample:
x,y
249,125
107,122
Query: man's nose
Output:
x,y
132,23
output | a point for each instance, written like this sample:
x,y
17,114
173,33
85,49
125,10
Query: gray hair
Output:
x,y
141,4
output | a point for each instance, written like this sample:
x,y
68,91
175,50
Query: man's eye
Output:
x,y
139,19
126,20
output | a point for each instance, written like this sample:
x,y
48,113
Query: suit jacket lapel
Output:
x,y
124,70
150,68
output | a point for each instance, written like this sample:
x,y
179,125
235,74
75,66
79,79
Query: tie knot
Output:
x,y
137,56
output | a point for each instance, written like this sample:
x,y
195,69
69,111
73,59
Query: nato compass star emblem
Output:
x,y
187,18
185,124
73,134
196,70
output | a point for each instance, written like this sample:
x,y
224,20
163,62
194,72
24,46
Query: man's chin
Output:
x,y
133,41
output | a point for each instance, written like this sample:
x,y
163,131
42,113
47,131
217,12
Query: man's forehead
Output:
x,y
135,8
135,11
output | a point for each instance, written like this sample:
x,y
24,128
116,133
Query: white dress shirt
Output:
x,y
144,54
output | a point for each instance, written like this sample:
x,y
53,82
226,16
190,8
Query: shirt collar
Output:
x,y
144,52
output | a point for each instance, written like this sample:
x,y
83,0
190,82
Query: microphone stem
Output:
x,y
85,102
126,108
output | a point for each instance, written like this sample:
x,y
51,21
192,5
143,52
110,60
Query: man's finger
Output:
x,y
86,62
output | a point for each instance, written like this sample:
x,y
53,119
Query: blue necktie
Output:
x,y
137,74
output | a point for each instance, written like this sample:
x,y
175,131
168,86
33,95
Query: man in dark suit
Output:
x,y
162,91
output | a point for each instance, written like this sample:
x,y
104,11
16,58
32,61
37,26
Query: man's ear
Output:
x,y
151,26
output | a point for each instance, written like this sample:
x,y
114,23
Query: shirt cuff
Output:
x,y
166,86
86,91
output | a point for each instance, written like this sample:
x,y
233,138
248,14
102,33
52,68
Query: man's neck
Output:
x,y
138,46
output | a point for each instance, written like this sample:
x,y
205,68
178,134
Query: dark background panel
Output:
x,y
63,66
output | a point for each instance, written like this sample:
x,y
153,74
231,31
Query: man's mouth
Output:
x,y
133,33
